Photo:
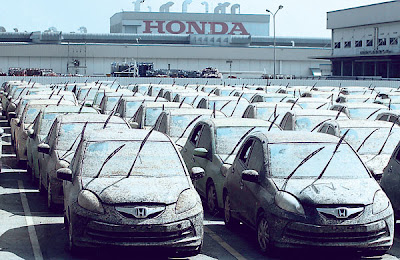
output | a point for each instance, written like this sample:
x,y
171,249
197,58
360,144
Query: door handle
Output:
x,y
390,169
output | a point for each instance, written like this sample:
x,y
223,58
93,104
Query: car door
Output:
x,y
44,159
390,181
253,191
190,145
235,183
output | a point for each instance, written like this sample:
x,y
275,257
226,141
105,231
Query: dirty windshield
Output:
x,y
132,107
156,159
285,157
362,113
227,108
309,122
179,124
152,115
227,137
31,114
374,143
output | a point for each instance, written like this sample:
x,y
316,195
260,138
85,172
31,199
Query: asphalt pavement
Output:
x,y
28,230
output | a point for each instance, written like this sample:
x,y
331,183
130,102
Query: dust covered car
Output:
x,y
117,193
308,190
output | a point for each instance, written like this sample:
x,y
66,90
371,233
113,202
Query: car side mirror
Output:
x,y
31,133
44,148
134,125
250,176
197,173
64,174
225,169
200,152
18,122
12,115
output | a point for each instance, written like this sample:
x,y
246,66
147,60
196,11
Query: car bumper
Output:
x,y
377,235
180,235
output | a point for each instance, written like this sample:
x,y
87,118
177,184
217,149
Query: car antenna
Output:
x,y
387,138
308,157
365,101
140,149
230,93
81,108
237,103
365,139
211,92
116,106
240,140
59,101
106,160
390,103
276,107
319,124
330,159
272,123
187,127
158,95
373,113
76,139
59,91
180,105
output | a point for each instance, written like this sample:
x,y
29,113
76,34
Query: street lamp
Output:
x,y
230,68
137,57
273,16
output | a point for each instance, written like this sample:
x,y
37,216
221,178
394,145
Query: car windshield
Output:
x,y
47,121
361,113
69,132
152,115
227,137
307,123
156,159
179,124
84,94
374,143
31,115
267,113
285,157
227,108
111,101
132,107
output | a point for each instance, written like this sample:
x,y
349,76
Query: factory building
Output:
x,y
234,43
365,40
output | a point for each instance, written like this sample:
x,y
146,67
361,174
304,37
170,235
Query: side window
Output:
x,y
162,127
330,131
289,123
383,118
244,154
196,134
256,159
205,139
323,129
398,155
283,122
52,134
393,119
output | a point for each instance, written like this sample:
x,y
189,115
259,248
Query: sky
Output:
x,y
300,18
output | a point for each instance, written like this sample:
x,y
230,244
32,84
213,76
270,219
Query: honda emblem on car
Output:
x,y
342,213
140,212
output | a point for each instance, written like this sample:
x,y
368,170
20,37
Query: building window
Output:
x,y
369,43
347,44
394,41
381,41
358,43
337,45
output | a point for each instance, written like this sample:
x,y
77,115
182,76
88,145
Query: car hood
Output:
x,y
331,191
137,189
377,163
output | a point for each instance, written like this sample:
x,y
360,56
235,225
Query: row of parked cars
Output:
x,y
132,164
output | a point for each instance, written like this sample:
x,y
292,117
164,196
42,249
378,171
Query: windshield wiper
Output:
x,y
240,140
272,123
108,158
366,138
321,105
300,164
183,100
140,149
387,138
224,105
373,113
187,127
330,159
76,139
233,111
320,124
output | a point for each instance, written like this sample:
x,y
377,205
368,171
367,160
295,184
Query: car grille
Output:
x,y
139,233
337,233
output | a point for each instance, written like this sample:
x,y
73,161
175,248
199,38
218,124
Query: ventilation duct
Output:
x,y
165,7
221,8
185,5
234,8
206,6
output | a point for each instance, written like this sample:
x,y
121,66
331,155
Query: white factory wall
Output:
x,y
97,58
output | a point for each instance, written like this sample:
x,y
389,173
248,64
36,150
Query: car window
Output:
x,y
256,159
393,119
205,139
283,123
330,130
323,129
398,155
162,127
383,118
196,134
288,124
244,154
52,134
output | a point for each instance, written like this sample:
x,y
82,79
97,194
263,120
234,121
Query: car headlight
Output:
x,y
88,200
288,202
186,201
381,202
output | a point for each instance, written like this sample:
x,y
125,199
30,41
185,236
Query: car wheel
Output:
x,y
212,202
230,221
50,203
263,237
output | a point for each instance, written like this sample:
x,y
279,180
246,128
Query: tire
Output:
x,y
211,199
263,234
230,221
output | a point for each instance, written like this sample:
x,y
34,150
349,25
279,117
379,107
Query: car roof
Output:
x,y
273,104
294,137
82,118
124,135
361,105
314,112
192,111
67,108
362,123
166,104
227,122
141,98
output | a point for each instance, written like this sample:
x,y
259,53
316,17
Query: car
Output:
x,y
41,126
177,123
268,110
110,100
119,192
373,140
390,180
308,119
359,110
129,105
230,106
58,148
269,97
391,116
308,190
212,145
311,103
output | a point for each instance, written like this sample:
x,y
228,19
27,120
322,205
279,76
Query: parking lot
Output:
x,y
29,230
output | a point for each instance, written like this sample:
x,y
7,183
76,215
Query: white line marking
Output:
x,y
29,222
227,247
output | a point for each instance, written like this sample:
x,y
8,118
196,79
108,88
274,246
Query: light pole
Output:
x,y
137,57
230,68
273,16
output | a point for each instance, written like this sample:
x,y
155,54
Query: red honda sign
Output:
x,y
186,27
